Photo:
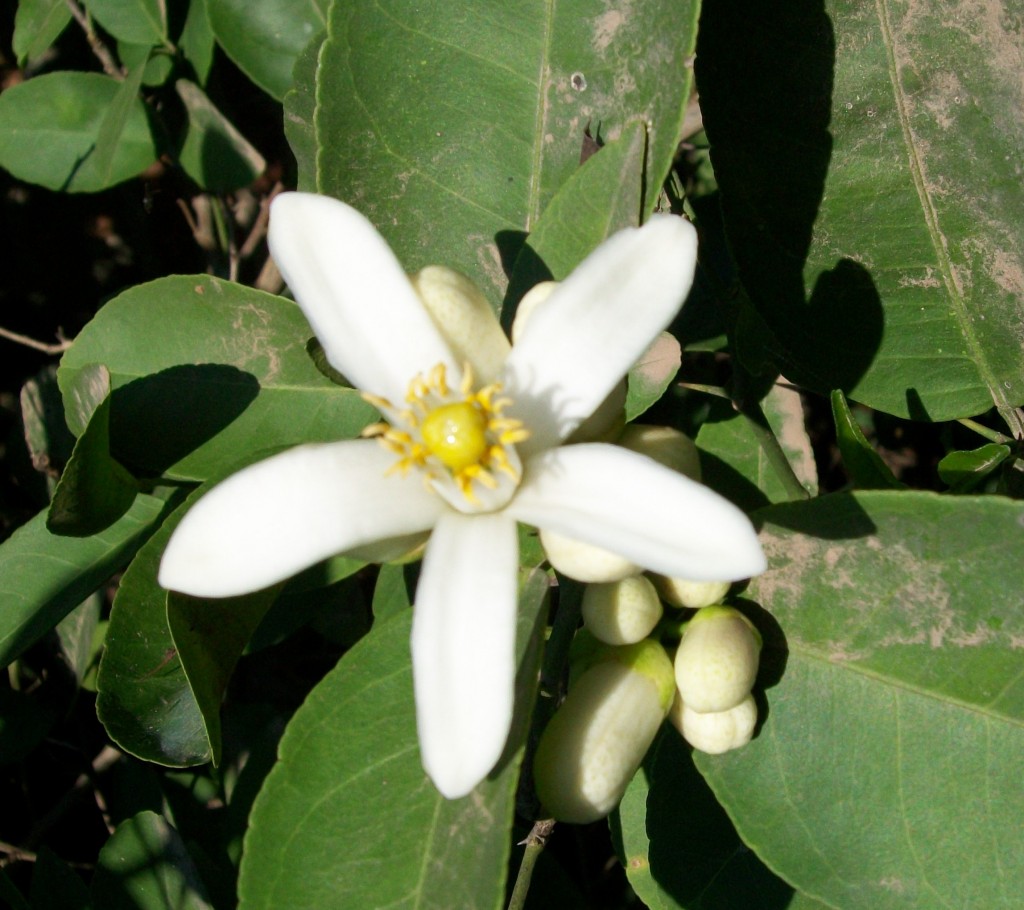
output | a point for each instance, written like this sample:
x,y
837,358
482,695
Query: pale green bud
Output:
x,y
716,662
717,731
464,317
665,445
621,612
594,744
681,592
584,561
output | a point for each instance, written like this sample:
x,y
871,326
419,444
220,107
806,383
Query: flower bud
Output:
x,y
594,744
584,561
716,662
464,317
665,445
621,612
680,592
717,731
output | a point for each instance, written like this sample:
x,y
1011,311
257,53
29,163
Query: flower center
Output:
x,y
456,433
457,438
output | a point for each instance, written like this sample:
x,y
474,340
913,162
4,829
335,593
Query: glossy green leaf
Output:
x,y
43,577
165,666
299,110
862,462
454,140
734,462
37,24
214,153
264,39
49,130
965,470
209,636
868,158
349,762
94,491
890,751
208,375
132,21
145,866
678,847
393,592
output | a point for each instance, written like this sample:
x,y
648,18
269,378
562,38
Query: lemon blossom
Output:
x,y
471,445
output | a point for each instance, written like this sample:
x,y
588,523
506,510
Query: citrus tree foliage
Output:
x,y
861,260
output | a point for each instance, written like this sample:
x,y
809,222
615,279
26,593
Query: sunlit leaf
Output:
x,y
868,157
891,745
965,470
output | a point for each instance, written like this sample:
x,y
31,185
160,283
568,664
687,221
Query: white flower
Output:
x,y
462,462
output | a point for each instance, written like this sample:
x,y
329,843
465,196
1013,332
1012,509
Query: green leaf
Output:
x,y
165,665
214,153
674,862
652,374
602,196
55,885
44,577
965,470
37,24
145,866
393,592
49,130
868,163
46,433
863,463
299,110
78,636
453,131
132,21
890,750
196,42
210,636
115,121
349,762
733,461
94,491
264,39
207,375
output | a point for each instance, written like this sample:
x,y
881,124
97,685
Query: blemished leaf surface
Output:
x,y
454,141
733,461
348,818
145,866
264,39
208,375
652,374
678,847
37,24
214,154
887,770
132,21
43,577
144,697
864,465
868,157
50,126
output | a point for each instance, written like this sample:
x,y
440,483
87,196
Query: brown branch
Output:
x,y
106,59
59,348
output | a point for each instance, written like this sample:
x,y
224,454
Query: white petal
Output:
x,y
595,325
280,516
631,505
355,294
463,648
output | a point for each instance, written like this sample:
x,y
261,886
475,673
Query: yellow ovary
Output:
x,y
456,434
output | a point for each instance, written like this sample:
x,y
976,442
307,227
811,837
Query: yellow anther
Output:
x,y
456,434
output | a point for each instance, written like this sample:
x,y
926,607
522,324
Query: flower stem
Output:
x,y
534,844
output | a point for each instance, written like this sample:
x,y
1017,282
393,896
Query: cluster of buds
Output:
x,y
625,682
